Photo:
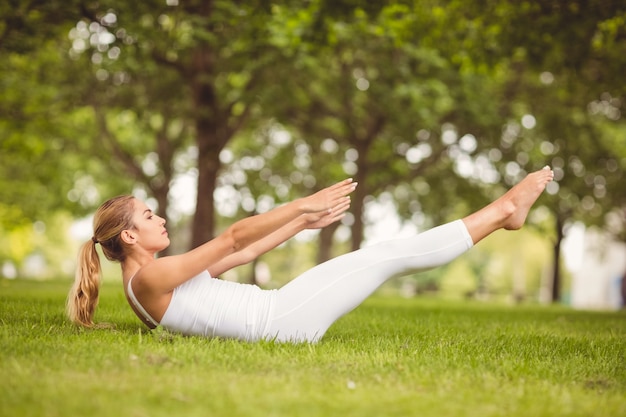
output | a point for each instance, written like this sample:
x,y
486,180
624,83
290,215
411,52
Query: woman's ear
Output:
x,y
127,237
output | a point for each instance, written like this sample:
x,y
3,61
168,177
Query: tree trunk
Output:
x,y
209,165
160,187
623,291
208,141
325,243
253,279
358,207
160,194
556,276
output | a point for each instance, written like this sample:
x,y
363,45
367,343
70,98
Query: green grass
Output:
x,y
390,357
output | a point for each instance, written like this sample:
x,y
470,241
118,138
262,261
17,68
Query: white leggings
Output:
x,y
307,306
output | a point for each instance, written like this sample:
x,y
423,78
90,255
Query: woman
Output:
x,y
179,292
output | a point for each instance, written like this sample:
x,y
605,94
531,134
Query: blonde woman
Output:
x,y
181,294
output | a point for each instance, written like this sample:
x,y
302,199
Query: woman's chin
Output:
x,y
165,245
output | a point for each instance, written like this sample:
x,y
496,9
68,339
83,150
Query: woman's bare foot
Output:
x,y
516,203
509,211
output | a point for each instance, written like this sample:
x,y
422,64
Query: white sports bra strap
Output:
x,y
133,299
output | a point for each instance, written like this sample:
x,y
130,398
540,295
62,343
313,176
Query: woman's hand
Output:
x,y
327,200
322,219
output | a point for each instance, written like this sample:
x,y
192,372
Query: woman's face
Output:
x,y
149,229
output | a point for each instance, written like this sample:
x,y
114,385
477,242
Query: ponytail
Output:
x,y
82,299
111,218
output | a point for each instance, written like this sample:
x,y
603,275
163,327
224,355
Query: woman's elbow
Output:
x,y
238,248
235,238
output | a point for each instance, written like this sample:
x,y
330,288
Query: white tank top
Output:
x,y
211,307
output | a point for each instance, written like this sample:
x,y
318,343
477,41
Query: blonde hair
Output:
x,y
111,218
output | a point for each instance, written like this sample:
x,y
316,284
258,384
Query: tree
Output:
x,y
577,99
192,64
397,94
39,165
43,134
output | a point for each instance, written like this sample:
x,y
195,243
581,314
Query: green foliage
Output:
x,y
389,357
25,23
40,137
39,250
423,102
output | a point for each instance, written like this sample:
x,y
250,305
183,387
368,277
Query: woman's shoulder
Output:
x,y
162,275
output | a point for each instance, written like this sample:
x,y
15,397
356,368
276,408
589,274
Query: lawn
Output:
x,y
390,357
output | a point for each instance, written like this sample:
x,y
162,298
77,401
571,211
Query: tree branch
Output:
x,y
122,155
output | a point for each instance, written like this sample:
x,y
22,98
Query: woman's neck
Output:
x,y
134,263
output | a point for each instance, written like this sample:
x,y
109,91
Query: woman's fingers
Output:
x,y
330,197
341,191
323,218
344,187
342,206
338,212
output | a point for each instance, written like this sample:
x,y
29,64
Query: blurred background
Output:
x,y
216,110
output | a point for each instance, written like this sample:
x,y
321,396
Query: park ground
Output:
x,y
391,357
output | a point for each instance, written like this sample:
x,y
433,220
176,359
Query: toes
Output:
x,y
550,172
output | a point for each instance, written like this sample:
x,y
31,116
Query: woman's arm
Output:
x,y
253,251
164,274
